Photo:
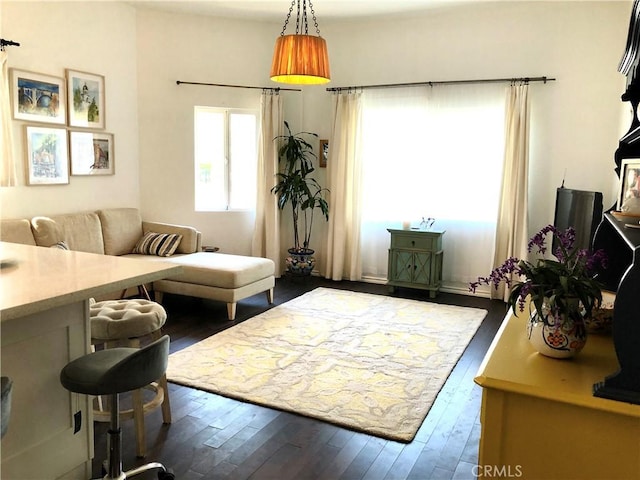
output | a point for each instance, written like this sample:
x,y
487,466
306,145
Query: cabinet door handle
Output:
x,y
413,243
415,267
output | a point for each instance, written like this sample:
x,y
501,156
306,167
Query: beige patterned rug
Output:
x,y
367,362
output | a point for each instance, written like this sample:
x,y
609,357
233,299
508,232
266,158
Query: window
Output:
x,y
226,159
433,153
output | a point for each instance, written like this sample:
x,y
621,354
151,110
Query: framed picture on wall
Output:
x,y
324,152
37,97
86,99
91,153
629,190
47,155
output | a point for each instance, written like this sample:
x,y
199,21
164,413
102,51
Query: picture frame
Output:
x,y
91,153
86,99
47,155
324,153
629,187
38,97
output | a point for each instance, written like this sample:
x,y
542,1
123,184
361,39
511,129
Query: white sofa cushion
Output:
x,y
17,231
121,229
80,231
222,270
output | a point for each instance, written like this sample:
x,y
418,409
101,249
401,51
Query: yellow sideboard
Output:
x,y
540,419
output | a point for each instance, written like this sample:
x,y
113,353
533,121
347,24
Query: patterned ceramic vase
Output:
x,y
300,262
558,337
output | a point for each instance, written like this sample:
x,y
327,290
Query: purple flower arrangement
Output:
x,y
553,282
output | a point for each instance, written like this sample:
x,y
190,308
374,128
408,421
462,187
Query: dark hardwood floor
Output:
x,y
213,437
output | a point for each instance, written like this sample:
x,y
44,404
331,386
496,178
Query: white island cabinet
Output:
x,y
44,324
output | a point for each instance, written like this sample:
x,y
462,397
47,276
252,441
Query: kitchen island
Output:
x,y
44,321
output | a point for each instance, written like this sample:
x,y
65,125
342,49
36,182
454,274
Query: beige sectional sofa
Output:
x,y
117,231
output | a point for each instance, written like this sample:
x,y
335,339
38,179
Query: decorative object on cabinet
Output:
x,y
562,290
562,335
629,190
427,223
91,153
415,260
297,188
38,97
86,97
601,319
47,155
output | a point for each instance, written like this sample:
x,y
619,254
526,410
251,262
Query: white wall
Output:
x,y
94,37
577,120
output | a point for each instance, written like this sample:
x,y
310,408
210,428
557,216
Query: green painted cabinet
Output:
x,y
415,260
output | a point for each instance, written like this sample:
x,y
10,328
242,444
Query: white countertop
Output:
x,y
35,279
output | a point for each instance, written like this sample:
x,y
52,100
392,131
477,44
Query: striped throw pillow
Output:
x,y
62,245
161,244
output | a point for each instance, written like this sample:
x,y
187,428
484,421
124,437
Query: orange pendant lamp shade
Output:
x,y
300,59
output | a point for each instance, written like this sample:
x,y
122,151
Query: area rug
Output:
x,y
367,362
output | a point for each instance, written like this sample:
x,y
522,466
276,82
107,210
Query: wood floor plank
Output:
x,y
344,458
382,464
405,462
365,458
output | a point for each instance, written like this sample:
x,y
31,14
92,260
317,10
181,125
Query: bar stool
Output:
x,y
111,372
125,323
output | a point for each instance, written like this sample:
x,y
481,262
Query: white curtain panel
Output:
x,y
512,227
433,152
266,237
8,175
344,172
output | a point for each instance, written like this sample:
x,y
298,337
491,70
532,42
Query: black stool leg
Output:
x,y
115,440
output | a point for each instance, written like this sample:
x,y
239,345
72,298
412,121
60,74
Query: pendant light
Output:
x,y
300,58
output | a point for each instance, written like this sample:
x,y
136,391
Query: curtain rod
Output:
x,y
7,43
179,82
446,82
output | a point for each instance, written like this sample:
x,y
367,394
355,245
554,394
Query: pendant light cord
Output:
x,y
301,19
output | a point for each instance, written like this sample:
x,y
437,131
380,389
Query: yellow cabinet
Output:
x,y
540,420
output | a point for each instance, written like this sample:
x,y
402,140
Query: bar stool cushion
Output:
x,y
116,370
118,319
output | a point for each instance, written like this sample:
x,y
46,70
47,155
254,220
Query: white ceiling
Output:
x,y
276,10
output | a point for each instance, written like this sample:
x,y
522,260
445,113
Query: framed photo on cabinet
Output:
x,y
629,190
91,153
47,155
38,97
86,99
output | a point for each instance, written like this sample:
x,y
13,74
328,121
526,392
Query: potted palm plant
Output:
x,y
302,192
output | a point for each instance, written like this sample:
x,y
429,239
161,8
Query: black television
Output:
x,y
581,210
